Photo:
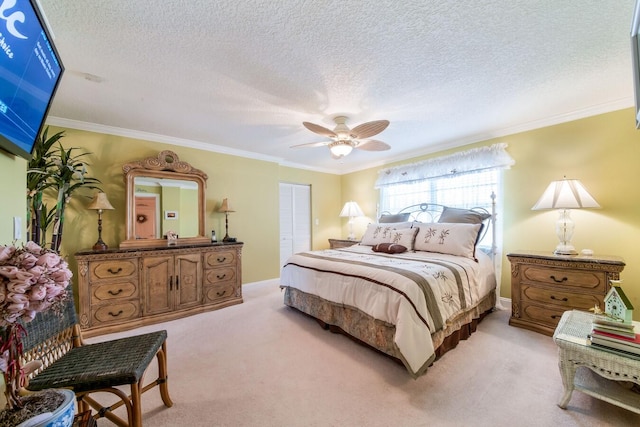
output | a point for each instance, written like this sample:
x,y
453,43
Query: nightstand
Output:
x,y
544,285
341,243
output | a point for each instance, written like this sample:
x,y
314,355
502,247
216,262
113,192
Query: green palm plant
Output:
x,y
53,173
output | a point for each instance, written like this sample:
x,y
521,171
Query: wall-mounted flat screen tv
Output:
x,y
30,71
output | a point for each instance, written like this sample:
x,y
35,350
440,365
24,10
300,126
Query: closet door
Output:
x,y
295,219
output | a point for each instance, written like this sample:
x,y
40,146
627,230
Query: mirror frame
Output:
x,y
165,165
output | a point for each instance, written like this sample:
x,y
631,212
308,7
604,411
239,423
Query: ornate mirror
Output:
x,y
165,196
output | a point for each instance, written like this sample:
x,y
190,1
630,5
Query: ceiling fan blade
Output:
x,y
369,129
311,144
373,145
320,130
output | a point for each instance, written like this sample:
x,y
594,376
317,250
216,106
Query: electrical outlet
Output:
x,y
17,228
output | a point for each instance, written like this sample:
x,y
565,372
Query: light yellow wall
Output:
x,y
13,192
602,151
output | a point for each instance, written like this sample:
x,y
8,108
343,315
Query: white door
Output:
x,y
295,219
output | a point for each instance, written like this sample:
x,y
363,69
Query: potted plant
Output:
x,y
58,173
32,280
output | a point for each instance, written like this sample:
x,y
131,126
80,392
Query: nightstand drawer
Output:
x,y
548,316
567,300
595,281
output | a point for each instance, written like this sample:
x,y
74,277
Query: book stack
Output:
x,y
616,337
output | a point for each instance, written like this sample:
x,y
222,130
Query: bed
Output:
x,y
411,289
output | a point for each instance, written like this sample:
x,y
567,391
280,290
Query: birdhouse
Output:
x,y
616,303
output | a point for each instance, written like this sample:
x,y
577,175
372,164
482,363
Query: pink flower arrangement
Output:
x,y
32,280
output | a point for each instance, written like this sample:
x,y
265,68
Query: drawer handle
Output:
x,y
114,271
565,299
221,293
221,259
564,279
118,292
115,315
220,277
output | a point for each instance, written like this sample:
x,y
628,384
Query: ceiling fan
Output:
x,y
343,139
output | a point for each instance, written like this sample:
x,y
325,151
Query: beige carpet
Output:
x,y
263,364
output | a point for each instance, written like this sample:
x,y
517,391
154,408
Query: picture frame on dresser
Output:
x,y
545,285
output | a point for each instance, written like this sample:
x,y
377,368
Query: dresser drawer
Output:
x,y
116,312
219,258
113,269
595,281
217,275
566,300
220,292
113,291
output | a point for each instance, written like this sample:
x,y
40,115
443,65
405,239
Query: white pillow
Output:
x,y
389,233
448,238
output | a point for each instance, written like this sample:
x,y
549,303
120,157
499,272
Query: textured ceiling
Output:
x,y
241,76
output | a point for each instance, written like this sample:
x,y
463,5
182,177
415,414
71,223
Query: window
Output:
x,y
467,190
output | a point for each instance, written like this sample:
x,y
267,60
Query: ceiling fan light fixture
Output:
x,y
341,148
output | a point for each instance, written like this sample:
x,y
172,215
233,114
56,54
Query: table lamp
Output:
x,y
351,210
99,203
565,195
226,209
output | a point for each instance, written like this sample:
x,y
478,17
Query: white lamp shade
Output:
x,y
351,209
566,194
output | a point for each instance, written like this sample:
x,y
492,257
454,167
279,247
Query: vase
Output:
x,y
61,417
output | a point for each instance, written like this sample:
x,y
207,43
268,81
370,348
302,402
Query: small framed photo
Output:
x,y
170,214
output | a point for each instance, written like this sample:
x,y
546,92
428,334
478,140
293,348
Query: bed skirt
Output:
x,y
379,334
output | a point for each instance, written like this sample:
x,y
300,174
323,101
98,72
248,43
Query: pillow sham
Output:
x,y
384,219
465,216
400,233
448,238
389,248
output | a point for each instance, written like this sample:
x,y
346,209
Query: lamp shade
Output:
x,y
100,202
351,209
566,194
225,207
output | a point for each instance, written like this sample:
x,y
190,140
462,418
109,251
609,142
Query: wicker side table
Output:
x,y
571,337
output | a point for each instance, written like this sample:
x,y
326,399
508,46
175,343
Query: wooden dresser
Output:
x,y
544,285
121,289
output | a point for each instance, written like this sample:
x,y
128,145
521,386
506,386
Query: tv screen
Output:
x,y
30,70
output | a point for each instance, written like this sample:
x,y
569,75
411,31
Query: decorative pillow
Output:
x,y
389,233
465,216
389,248
448,238
404,237
384,219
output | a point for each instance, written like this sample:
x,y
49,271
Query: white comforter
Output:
x,y
450,285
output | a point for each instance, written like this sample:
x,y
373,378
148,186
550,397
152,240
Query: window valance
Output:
x,y
475,159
